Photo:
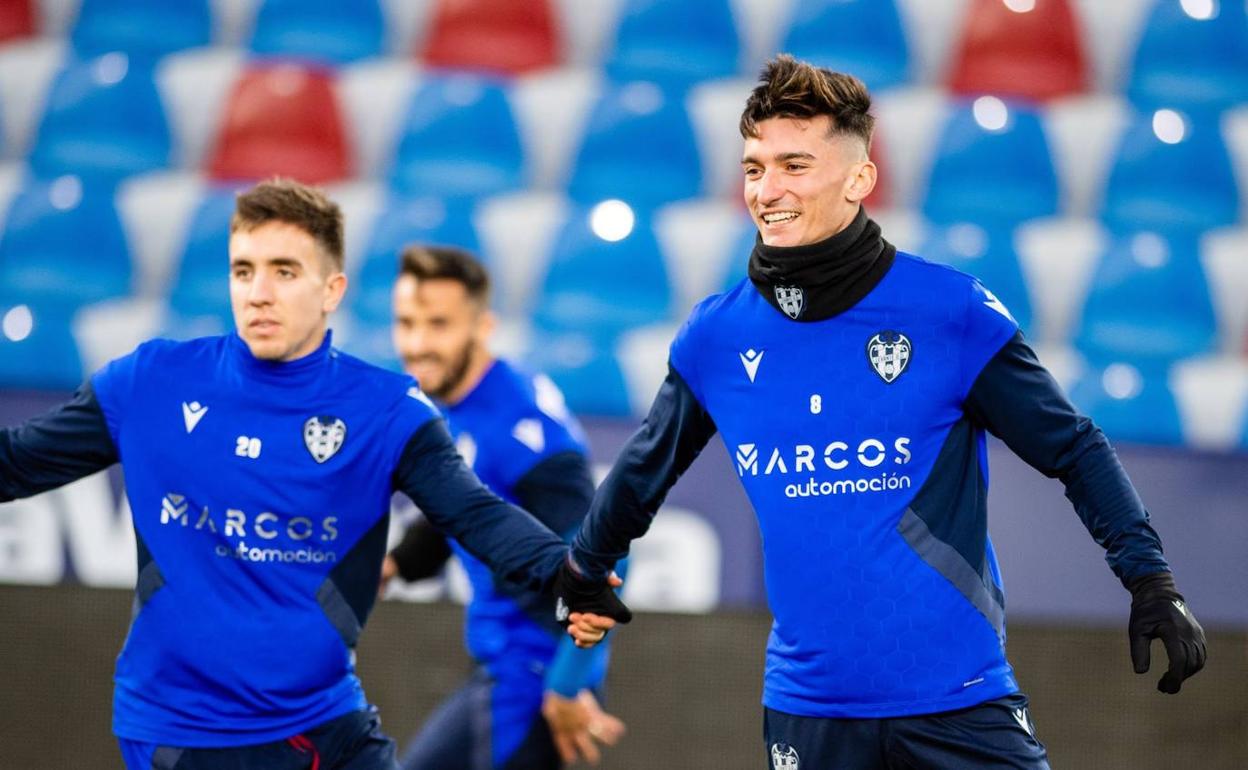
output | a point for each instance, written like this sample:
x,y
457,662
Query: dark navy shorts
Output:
x,y
350,742
491,723
995,734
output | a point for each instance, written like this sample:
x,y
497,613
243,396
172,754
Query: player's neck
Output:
x,y
479,363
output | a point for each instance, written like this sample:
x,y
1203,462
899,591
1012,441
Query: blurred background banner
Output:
x,y
1088,160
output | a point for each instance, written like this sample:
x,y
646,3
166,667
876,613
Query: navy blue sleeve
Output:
x,y
511,542
666,444
422,553
1016,399
62,445
557,491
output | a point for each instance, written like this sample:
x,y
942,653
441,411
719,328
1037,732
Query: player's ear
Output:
x,y
861,181
487,322
335,288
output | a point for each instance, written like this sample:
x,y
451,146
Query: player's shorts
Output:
x,y
350,742
995,734
491,723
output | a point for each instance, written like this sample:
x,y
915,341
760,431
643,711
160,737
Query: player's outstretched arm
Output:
x,y
64,444
1017,399
508,539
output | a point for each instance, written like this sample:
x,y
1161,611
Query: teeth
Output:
x,y
783,216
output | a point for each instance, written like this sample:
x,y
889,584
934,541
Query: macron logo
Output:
x,y
996,305
750,359
192,413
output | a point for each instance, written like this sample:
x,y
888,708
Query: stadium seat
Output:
x,y
676,43
988,253
199,302
585,369
1192,59
1029,54
992,164
459,138
864,37
1149,301
638,146
144,29
401,222
37,348
500,36
1130,403
603,287
17,19
282,119
104,117
63,246
321,31
1171,172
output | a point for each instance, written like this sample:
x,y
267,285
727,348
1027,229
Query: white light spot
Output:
x,y
464,91
1122,381
1150,250
642,98
111,68
612,220
18,323
1020,6
990,113
1169,126
968,241
65,193
1200,10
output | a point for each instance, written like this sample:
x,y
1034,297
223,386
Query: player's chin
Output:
x,y
266,348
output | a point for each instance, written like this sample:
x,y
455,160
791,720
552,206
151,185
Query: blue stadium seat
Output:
x,y
674,42
864,37
145,29
1191,63
400,223
459,139
199,302
1171,172
63,246
602,287
104,118
322,31
988,254
41,354
992,164
1130,402
1149,301
638,146
584,368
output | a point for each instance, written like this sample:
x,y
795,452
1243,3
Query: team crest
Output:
x,y
792,300
889,354
323,436
784,757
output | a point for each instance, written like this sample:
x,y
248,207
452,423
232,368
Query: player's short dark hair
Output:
x,y
426,262
285,200
789,88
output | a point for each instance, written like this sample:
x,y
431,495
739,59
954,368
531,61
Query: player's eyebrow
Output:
x,y
781,158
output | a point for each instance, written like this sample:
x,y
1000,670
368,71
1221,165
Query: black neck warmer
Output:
x,y
816,281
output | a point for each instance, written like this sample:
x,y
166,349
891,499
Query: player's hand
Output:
x,y
578,725
588,608
1159,612
389,569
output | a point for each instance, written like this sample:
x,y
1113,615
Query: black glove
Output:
x,y
1159,612
576,593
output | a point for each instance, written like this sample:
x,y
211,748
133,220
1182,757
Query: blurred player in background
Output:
x,y
531,705
259,468
853,386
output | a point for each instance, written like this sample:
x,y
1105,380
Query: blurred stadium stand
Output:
x,y
1087,159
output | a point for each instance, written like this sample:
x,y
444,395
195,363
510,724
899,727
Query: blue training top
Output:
x,y
260,494
860,441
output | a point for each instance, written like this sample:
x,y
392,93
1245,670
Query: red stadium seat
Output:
x,y
495,35
1023,48
17,19
282,119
